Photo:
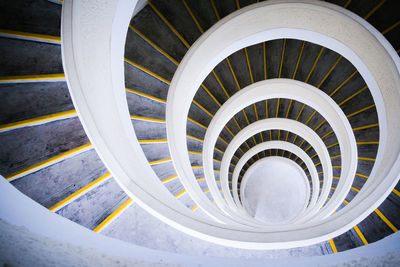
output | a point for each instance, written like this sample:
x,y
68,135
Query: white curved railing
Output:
x,y
304,93
284,146
93,38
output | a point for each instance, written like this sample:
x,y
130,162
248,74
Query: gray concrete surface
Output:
x,y
23,101
52,184
138,227
39,16
27,146
95,206
18,59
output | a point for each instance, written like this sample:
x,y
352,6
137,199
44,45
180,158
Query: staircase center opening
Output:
x,y
274,190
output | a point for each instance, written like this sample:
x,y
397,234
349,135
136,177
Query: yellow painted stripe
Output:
x,y
336,167
277,109
383,217
237,4
302,142
332,145
202,108
112,215
366,127
200,179
168,24
233,73
159,161
195,122
206,191
396,192
287,136
237,124
146,95
326,134
153,141
195,138
287,112
193,17
30,36
265,66
362,175
335,177
353,95
330,71
374,9
298,60
80,192
347,4
46,118
210,94
368,143
315,64
391,27
345,201
195,207
220,83
180,193
360,235
49,161
337,156
32,78
148,71
248,65
319,125
248,123
312,115
194,152
226,127
333,246
153,45
355,189
301,111
343,83
219,150
361,110
368,159
215,10
146,119
169,178
197,167
282,55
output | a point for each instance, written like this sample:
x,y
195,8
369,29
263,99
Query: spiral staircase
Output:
x,y
46,154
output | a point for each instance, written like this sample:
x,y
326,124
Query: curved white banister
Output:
x,y
284,146
93,38
304,93
288,125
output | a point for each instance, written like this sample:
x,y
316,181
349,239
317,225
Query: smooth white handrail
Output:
x,y
304,93
287,147
93,39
